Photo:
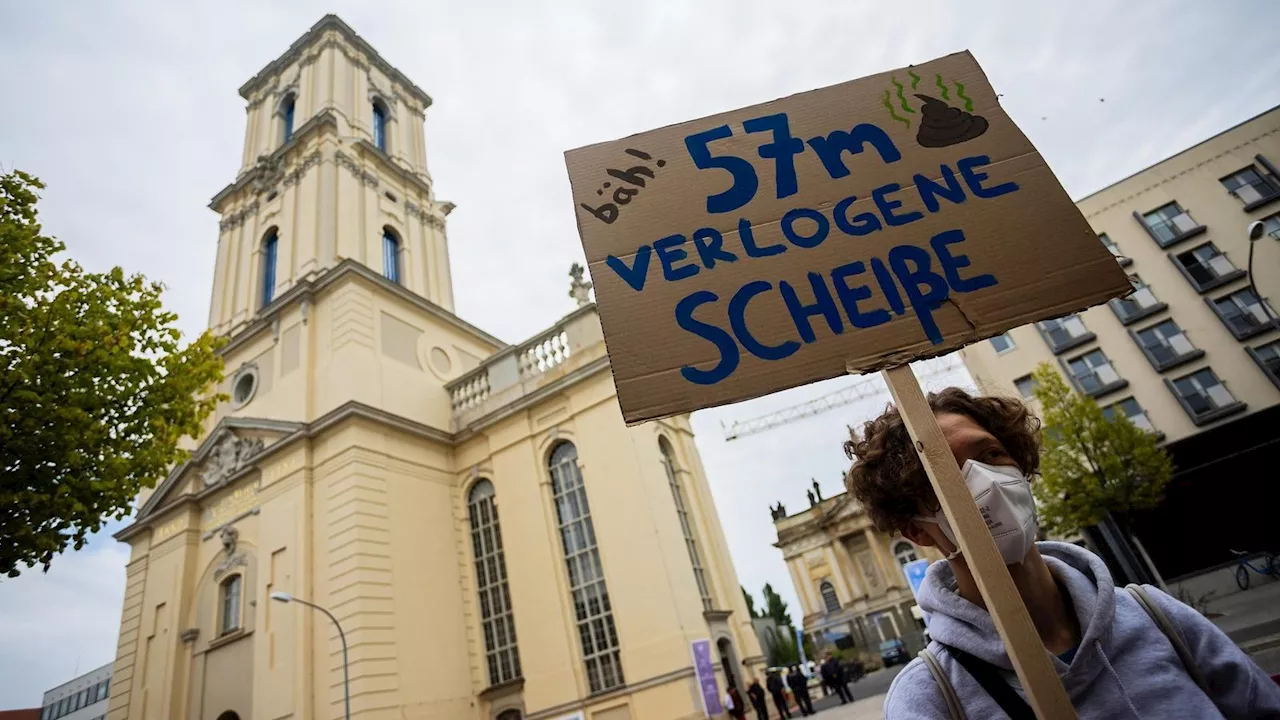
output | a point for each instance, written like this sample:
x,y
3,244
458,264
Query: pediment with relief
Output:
x,y
234,445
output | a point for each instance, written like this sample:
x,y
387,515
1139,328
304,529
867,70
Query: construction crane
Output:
x,y
863,388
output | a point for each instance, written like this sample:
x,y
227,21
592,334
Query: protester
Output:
x,y
774,683
833,677
1111,653
733,703
799,685
756,694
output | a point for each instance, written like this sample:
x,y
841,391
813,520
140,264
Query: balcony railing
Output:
x,y
518,370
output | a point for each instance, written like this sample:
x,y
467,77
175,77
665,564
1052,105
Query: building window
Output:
x,y
1132,411
905,552
1114,249
1094,375
286,117
1206,268
496,617
390,255
1204,396
1165,345
380,125
1268,358
1138,305
46,712
1026,386
229,605
592,609
1064,333
1169,224
1252,186
829,598
1243,314
1003,343
61,708
270,244
686,523
1271,225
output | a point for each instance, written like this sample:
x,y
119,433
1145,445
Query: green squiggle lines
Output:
x,y
968,104
915,79
902,100
889,106
942,86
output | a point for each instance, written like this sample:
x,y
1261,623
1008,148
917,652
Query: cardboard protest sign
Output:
x,y
856,227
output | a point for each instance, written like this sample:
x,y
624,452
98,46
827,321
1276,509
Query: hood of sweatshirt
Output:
x,y
959,623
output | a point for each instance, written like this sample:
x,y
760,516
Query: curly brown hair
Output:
x,y
887,477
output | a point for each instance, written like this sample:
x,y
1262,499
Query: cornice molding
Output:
x,y
316,38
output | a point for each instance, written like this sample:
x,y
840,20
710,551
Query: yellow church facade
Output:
x,y
491,537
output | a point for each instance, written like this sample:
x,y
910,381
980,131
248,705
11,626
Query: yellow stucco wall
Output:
x,y
345,474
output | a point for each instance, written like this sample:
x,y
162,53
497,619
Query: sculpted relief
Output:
x,y
229,456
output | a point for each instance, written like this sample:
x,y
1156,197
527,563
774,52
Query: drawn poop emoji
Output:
x,y
944,125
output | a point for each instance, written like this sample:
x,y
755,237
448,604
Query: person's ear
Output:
x,y
917,535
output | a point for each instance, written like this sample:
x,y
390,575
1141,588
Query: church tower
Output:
x,y
370,438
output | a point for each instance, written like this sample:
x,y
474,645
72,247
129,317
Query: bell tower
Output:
x,y
334,168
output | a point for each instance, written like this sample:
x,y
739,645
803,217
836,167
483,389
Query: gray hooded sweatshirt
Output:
x,y
1125,667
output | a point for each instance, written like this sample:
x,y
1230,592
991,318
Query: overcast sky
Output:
x,y
129,112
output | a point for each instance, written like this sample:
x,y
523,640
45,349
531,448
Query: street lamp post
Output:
x,y
285,597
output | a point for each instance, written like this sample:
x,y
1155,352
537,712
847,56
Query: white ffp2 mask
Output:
x,y
1005,501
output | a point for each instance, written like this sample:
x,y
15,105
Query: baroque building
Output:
x,y
491,537
849,576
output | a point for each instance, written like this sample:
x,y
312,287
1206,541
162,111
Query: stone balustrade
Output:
x,y
517,370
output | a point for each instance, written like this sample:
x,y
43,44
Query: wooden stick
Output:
x,y
1030,659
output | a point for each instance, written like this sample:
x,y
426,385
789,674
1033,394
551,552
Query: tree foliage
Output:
x,y
775,607
96,389
751,603
1092,464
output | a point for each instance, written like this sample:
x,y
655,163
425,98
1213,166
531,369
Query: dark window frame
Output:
x,y
1262,364
829,597
1119,384
1168,364
1031,383
1211,416
1071,343
1141,313
1252,332
1108,243
1213,284
493,593
392,256
1012,345
270,249
1180,237
1267,173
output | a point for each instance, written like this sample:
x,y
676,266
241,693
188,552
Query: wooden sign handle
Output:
x,y
1030,659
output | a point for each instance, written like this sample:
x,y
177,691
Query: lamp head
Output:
x,y
1256,229
281,597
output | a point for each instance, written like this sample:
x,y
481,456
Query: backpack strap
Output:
x,y
954,709
1139,594
988,676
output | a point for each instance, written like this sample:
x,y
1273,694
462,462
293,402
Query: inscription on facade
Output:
x,y
168,530
239,502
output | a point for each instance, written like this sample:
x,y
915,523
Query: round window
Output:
x,y
244,386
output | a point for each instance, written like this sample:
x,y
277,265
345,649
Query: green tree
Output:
x,y
751,603
775,607
784,652
1092,465
96,390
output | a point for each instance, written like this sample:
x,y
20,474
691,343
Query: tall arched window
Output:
x,y
905,552
270,243
686,524
286,117
491,583
829,598
380,125
229,605
592,609
390,255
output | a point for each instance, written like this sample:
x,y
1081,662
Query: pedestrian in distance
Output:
x,y
755,694
774,683
733,703
799,685
1134,651
833,677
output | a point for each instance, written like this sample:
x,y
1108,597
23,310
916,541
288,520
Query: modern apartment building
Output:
x,y
84,698
1192,354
